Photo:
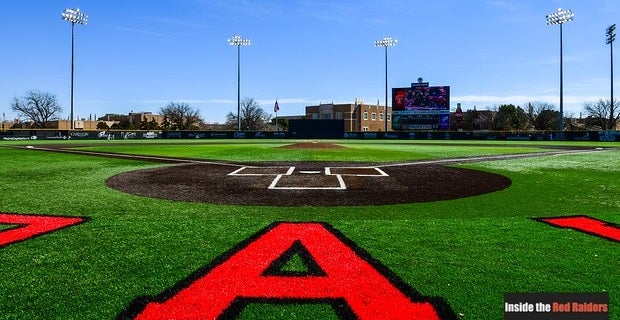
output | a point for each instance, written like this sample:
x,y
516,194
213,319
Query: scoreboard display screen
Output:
x,y
421,108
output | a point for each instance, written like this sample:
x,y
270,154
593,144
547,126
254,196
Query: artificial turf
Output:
x,y
468,251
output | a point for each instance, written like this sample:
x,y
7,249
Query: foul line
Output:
x,y
488,158
132,157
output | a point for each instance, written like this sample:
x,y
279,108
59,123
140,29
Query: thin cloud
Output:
x,y
502,4
140,31
175,22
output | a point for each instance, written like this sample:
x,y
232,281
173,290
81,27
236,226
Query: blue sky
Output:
x,y
139,55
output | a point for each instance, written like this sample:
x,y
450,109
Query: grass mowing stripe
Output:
x,y
351,152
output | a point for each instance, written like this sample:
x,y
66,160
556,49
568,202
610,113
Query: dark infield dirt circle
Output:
x,y
307,183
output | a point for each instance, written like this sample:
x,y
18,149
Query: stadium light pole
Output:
x,y
236,40
561,16
385,43
75,16
611,36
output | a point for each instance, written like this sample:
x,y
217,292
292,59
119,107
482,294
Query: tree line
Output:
x,y
42,108
540,116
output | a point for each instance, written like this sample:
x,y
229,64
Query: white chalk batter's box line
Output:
x,y
288,171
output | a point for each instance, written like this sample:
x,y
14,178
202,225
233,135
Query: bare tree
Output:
x,y
493,119
252,116
543,116
181,116
39,107
604,113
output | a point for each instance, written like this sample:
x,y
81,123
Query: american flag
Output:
x,y
276,107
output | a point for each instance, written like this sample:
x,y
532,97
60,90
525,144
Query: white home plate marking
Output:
x,y
292,182
259,171
330,178
356,171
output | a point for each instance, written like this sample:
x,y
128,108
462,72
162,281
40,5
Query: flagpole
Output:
x,y
276,108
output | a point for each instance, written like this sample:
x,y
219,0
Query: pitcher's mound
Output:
x,y
312,145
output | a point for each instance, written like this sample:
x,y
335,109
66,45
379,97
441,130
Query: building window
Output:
x,y
373,116
365,129
381,116
326,116
389,117
315,116
365,115
338,115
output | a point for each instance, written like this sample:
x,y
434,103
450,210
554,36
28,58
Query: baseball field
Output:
x,y
301,229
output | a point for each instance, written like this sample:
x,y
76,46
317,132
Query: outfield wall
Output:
x,y
16,135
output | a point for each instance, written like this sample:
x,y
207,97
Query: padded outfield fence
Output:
x,y
52,134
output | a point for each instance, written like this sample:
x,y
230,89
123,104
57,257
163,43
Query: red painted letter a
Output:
x,y
339,272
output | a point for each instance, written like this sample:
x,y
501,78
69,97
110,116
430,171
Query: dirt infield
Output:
x,y
306,183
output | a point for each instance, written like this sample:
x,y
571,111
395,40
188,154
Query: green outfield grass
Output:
x,y
468,251
355,152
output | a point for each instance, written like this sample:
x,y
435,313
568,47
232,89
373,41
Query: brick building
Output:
x,y
87,125
356,116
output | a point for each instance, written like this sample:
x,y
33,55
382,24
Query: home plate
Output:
x,y
308,182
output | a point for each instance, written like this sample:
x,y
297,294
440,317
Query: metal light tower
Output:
x,y
236,40
385,43
611,36
74,16
560,17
